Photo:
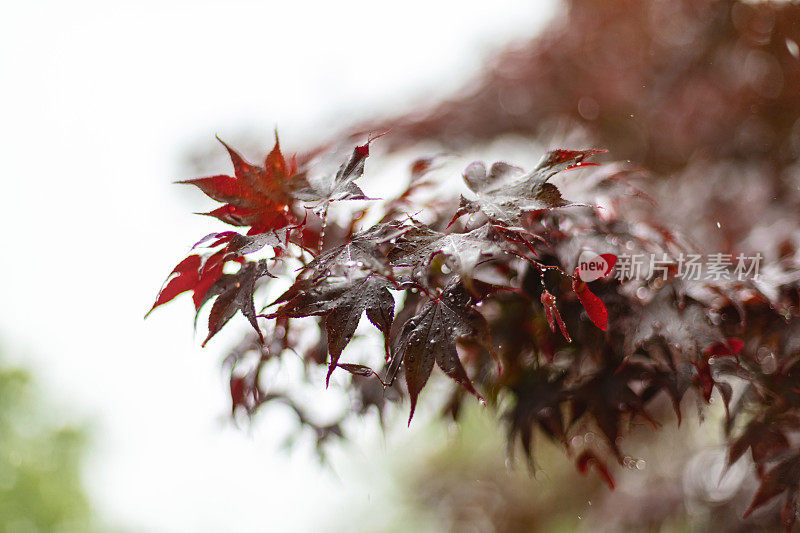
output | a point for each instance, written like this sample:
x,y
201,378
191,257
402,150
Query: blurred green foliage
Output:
x,y
40,462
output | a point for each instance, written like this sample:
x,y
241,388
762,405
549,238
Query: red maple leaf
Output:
x,y
255,196
196,274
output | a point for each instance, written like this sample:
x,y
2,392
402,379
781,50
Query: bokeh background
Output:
x,y
111,423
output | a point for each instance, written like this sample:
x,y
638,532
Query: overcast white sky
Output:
x,y
98,103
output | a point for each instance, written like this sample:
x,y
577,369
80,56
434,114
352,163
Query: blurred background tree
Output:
x,y
41,457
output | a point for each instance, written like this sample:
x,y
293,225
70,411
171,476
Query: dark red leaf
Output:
x,y
763,439
358,370
784,477
342,301
587,459
339,185
235,293
430,337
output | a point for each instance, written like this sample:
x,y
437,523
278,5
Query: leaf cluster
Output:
x,y
488,291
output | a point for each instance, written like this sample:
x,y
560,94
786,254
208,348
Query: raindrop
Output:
x,y
767,360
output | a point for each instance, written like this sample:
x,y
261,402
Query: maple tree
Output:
x,y
485,285
489,299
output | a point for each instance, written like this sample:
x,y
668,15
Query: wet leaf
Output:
x,y
782,478
365,251
255,196
461,252
430,337
235,293
195,273
764,440
506,192
336,186
342,301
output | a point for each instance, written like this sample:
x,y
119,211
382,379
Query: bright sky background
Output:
x,y
98,104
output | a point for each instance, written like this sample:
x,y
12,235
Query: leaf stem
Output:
x,y
322,229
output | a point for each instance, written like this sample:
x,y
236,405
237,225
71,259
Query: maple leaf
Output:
x,y
462,252
364,251
235,293
506,192
195,273
254,196
237,244
539,394
430,337
343,283
783,477
619,400
684,327
329,187
673,381
342,301
705,377
764,439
